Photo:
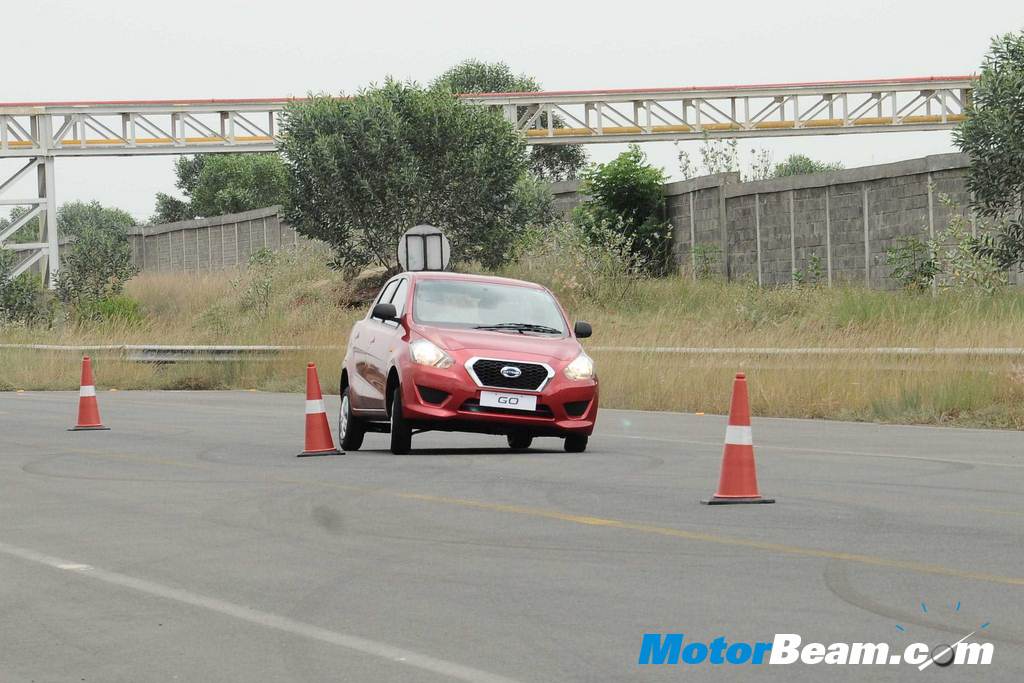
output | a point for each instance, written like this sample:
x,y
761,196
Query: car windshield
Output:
x,y
487,305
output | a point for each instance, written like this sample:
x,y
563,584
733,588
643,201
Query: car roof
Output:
x,y
468,277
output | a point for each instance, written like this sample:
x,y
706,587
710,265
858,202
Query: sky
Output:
x,y
98,50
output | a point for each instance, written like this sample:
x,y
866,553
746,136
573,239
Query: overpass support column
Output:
x,y
48,221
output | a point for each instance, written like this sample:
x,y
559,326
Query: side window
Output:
x,y
400,296
385,295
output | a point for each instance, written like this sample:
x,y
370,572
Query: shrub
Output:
x,y
74,218
22,299
952,261
579,264
532,202
707,261
626,196
260,282
801,164
960,266
912,263
94,267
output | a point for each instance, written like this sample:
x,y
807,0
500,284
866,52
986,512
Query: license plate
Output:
x,y
494,399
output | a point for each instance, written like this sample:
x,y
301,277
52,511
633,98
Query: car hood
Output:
x,y
457,340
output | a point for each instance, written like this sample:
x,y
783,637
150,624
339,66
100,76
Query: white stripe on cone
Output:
x,y
739,436
313,407
87,391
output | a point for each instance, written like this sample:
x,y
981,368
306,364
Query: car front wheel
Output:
x,y
576,443
401,431
519,442
350,428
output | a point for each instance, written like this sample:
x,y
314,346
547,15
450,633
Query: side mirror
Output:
x,y
582,330
384,312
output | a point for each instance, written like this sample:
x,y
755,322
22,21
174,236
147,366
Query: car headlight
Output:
x,y
582,367
425,352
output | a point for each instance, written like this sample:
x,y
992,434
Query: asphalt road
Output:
x,y
188,543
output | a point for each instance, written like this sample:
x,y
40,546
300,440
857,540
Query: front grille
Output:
x,y
473,406
489,372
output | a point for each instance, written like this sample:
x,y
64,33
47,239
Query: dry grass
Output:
x,y
297,302
979,391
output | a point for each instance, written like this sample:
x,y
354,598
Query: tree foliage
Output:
x,y
722,156
216,184
22,299
363,170
554,162
993,135
26,233
94,267
97,259
75,218
801,164
532,202
170,209
626,195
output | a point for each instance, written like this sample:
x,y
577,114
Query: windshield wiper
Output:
x,y
520,327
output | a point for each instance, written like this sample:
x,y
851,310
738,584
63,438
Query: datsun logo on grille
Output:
x,y
511,371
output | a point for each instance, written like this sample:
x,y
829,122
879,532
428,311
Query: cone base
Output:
x,y
329,451
715,500
89,428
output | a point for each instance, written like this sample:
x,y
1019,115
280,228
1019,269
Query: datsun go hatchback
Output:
x,y
469,353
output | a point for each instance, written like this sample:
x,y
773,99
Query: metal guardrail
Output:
x,y
164,353
821,351
169,353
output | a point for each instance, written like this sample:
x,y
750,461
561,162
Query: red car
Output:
x,y
467,353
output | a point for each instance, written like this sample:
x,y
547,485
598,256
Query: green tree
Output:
x,y
216,184
626,195
532,202
97,259
551,162
170,209
993,135
74,218
94,267
801,164
365,169
723,156
26,233
22,299
229,183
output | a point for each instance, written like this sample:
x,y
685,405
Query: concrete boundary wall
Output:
x,y
841,222
207,244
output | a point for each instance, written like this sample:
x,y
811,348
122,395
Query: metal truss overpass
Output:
x,y
39,132
741,111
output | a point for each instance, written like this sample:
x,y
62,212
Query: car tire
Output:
x,y
519,441
351,429
401,432
576,443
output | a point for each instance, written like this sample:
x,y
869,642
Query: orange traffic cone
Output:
x,y
318,434
738,481
88,408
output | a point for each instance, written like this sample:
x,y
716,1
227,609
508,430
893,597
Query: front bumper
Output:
x,y
560,405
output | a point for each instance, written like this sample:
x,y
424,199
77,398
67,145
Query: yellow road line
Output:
x,y
778,548
584,520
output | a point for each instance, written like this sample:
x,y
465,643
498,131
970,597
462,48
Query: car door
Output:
x,y
385,339
366,394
